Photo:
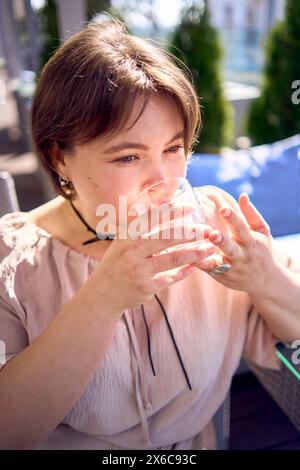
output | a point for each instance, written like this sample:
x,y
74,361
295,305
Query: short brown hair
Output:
x,y
88,88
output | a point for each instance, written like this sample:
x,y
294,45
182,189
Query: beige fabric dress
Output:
x,y
126,406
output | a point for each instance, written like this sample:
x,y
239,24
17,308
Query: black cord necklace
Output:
x,y
172,338
111,236
99,236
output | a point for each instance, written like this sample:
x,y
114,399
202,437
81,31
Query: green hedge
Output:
x,y
202,53
273,116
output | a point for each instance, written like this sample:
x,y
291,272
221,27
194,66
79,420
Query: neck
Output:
x,y
80,212
94,236
83,220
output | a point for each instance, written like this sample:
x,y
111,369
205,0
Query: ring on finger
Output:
x,y
221,269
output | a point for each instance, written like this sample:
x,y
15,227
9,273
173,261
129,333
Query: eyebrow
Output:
x,y
137,145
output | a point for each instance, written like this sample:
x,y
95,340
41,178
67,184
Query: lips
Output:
x,y
161,202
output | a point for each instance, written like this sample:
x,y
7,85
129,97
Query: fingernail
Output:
x,y
247,197
225,211
217,238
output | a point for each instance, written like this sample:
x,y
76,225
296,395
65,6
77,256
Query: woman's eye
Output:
x,y
127,159
132,158
175,148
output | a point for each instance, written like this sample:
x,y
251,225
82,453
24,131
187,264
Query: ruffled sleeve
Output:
x,y
13,334
260,342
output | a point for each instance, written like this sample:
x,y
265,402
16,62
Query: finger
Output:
x,y
157,214
171,277
217,199
176,258
185,246
172,236
253,217
209,263
221,202
238,225
157,218
229,247
176,228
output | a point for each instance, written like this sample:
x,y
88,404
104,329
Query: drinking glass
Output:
x,y
176,199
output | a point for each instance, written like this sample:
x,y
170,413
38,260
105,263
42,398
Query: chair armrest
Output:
x,y
284,388
221,421
8,195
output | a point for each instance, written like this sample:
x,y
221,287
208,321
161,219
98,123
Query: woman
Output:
x,y
120,344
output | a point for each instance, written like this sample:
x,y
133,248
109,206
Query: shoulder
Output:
x,y
209,194
21,231
19,243
16,233
211,198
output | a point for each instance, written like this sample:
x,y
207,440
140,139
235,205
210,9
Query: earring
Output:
x,y
63,181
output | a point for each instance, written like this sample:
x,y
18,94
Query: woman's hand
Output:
x,y
133,270
258,267
246,245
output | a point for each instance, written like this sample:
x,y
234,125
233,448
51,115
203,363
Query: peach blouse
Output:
x,y
126,406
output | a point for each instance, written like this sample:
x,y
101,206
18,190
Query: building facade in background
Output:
x,y
253,14
243,25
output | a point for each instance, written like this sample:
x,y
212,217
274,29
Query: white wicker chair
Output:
x,y
221,421
284,388
8,195
282,385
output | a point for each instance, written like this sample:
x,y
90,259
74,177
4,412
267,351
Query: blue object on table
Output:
x,y
270,174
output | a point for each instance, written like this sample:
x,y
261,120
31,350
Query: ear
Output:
x,y
58,160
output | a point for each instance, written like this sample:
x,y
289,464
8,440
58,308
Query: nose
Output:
x,y
156,174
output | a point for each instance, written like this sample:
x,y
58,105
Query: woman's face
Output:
x,y
152,150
